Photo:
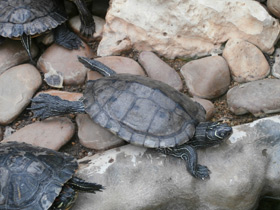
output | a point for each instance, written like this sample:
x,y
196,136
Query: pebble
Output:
x,y
92,135
274,7
13,53
75,24
51,133
119,64
17,86
207,105
258,97
159,70
245,60
207,77
60,61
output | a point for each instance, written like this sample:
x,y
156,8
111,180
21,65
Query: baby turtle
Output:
x,y
35,178
144,112
23,19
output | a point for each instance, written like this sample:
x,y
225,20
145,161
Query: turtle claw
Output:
x,y
87,31
202,172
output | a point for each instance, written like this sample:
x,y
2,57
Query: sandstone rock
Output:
x,y
13,53
243,168
94,136
118,64
159,70
184,29
207,77
246,61
274,7
207,105
259,97
17,86
52,133
75,24
65,62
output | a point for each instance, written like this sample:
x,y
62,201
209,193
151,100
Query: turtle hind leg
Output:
x,y
189,154
81,185
87,22
45,105
66,38
97,66
26,42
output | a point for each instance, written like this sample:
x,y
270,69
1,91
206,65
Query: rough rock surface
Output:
x,y
51,133
13,53
17,86
61,61
185,28
92,135
246,61
207,77
257,97
159,70
136,178
119,64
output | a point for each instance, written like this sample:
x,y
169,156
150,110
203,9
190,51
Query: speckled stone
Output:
x,y
119,64
51,133
159,70
13,53
17,86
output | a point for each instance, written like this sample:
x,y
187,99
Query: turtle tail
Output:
x,y
95,65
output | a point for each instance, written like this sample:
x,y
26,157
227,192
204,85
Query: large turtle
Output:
x,y
35,178
23,19
144,112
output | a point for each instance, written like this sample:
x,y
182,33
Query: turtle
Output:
x,y
23,19
142,111
37,178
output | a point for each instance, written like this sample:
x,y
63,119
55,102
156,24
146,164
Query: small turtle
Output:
x,y
144,112
23,19
35,178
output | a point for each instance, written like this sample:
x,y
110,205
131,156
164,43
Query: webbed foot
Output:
x,y
201,172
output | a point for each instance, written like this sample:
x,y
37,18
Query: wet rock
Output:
x,y
93,136
17,86
275,71
119,64
207,77
137,178
258,97
246,61
13,53
207,105
51,133
75,24
186,30
61,61
274,7
159,70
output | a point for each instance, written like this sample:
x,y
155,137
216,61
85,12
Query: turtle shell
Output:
x,y
142,111
32,177
29,16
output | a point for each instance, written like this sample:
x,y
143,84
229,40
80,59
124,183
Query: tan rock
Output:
x,y
13,53
65,62
274,7
246,61
51,133
207,105
17,86
119,64
75,24
184,29
207,77
159,70
94,136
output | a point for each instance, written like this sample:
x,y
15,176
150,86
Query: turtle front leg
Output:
x,y
66,38
189,154
87,21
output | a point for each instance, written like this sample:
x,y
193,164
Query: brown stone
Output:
x,y
207,105
51,133
207,77
63,61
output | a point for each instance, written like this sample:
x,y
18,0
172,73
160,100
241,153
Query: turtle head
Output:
x,y
208,134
